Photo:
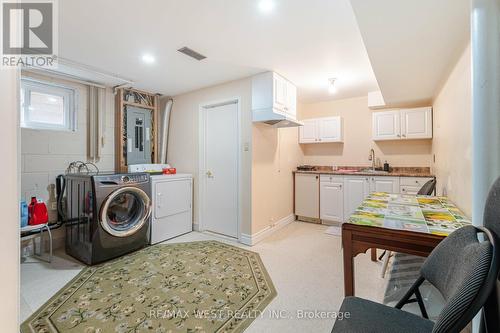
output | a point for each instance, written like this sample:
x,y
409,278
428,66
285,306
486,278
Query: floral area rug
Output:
x,y
185,287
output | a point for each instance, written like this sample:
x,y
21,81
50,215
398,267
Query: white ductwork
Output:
x,y
165,130
376,100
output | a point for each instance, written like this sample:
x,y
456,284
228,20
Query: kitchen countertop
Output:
x,y
358,171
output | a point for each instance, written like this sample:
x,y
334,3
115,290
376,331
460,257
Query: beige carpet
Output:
x,y
187,287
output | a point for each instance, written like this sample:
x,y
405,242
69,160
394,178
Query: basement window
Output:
x,y
47,106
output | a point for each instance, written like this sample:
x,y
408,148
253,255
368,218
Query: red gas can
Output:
x,y
37,212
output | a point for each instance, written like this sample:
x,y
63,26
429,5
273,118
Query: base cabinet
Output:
x,y
384,184
307,195
334,198
356,189
331,199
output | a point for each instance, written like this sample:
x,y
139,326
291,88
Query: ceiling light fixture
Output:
x,y
331,86
148,58
266,6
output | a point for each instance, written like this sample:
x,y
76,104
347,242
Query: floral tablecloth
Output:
x,y
421,213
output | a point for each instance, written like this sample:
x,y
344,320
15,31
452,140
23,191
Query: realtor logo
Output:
x,y
29,33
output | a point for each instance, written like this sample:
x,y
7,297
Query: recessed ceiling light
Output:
x,y
266,6
331,86
148,58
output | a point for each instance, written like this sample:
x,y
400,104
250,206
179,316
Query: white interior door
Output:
x,y
220,213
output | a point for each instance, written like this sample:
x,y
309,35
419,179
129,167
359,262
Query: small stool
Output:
x,y
29,234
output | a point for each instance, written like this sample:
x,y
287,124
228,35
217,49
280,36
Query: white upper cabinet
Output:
x,y
291,97
402,124
309,132
321,130
279,93
416,123
273,93
386,125
330,129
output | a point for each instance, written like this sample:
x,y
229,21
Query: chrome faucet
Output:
x,y
372,158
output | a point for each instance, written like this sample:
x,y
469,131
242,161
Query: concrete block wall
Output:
x,y
46,153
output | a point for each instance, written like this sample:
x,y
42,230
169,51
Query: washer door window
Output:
x,y
125,211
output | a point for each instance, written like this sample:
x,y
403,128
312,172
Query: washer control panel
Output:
x,y
124,179
135,178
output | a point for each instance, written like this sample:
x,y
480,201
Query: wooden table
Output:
x,y
400,223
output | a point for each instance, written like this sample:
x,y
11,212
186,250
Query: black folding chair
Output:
x,y
462,267
428,188
491,315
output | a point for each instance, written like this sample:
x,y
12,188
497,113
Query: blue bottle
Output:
x,y
24,213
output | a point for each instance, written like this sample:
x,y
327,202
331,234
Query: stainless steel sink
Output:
x,y
374,172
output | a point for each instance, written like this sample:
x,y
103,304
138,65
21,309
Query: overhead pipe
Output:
x,y
165,130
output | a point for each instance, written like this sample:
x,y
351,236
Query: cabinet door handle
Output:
x,y
404,135
399,135
317,177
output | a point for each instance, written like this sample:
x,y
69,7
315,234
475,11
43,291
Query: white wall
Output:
x,y
9,202
275,154
267,186
46,154
452,143
183,145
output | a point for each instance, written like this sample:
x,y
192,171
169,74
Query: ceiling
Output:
x,y
308,42
413,45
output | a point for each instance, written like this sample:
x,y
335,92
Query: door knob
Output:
x,y
209,174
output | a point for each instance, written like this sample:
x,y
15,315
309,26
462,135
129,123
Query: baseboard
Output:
x,y
253,239
196,226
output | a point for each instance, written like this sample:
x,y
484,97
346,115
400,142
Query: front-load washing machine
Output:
x,y
108,215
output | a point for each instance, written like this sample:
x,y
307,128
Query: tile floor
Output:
x,y
304,263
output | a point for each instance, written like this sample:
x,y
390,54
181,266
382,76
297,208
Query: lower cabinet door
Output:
x,y
332,201
356,189
384,184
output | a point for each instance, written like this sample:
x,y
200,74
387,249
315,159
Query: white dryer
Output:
x,y
172,211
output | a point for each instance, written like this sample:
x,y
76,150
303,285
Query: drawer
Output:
x,y
414,181
331,179
412,190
